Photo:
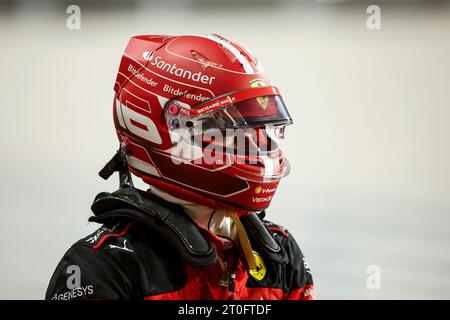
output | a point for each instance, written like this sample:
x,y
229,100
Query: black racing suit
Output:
x,y
148,248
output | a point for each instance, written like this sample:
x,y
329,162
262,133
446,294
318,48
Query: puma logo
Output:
x,y
111,246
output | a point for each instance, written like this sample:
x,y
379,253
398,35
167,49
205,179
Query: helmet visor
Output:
x,y
249,127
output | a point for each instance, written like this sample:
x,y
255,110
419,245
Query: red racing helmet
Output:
x,y
199,119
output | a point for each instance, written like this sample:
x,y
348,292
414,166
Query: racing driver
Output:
x,y
200,123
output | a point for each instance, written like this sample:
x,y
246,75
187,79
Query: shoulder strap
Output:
x,y
167,220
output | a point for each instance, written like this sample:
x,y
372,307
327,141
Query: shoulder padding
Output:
x,y
163,218
262,240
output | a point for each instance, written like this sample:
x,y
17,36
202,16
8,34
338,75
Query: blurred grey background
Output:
x,y
370,152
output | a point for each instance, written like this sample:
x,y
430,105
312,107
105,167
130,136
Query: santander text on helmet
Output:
x,y
159,63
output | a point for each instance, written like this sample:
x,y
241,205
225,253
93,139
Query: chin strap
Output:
x,y
244,241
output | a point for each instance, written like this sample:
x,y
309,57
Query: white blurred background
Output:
x,y
370,151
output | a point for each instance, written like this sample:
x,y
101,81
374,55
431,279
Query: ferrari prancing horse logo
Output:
x,y
260,272
262,101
